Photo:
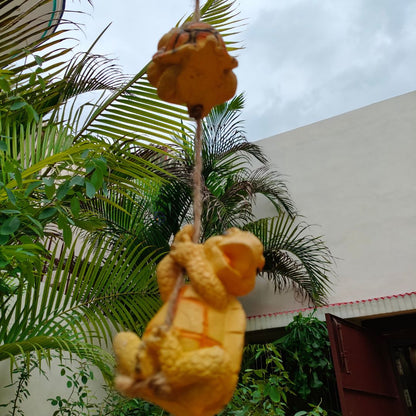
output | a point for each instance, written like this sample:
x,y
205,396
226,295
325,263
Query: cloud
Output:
x,y
310,60
304,60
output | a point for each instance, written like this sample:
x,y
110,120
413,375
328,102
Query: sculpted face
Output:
x,y
236,257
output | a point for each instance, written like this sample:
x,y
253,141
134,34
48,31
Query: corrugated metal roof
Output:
x,y
405,302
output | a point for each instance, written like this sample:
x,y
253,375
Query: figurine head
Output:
x,y
237,257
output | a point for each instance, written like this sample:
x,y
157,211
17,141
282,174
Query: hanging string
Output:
x,y
170,313
197,203
197,176
197,13
197,195
197,198
197,180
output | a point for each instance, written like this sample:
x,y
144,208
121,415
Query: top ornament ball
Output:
x,y
192,67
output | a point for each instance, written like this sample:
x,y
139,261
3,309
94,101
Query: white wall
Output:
x,y
42,388
354,175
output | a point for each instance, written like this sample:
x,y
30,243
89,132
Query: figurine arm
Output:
x,y
168,272
192,257
202,276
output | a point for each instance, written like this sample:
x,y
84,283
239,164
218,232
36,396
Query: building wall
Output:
x,y
354,176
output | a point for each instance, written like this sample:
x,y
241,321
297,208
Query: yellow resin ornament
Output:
x,y
190,367
192,67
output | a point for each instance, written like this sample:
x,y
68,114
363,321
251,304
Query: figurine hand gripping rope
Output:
x,y
191,368
189,357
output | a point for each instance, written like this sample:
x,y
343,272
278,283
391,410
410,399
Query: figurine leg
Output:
x,y
134,359
126,346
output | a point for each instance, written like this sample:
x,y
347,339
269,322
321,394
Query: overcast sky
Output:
x,y
304,60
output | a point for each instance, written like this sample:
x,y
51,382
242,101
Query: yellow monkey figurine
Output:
x,y
191,367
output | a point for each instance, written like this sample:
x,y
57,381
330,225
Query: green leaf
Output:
x,y
275,394
10,226
3,146
9,211
47,213
90,189
316,383
48,181
75,206
97,178
32,78
89,167
31,187
18,105
25,239
18,178
67,234
62,191
32,112
38,59
4,85
42,82
50,191
11,196
35,221
77,180
101,164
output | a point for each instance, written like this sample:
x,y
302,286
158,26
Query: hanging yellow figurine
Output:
x,y
191,367
192,67
189,357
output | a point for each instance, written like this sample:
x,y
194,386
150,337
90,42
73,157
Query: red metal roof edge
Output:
x,y
332,304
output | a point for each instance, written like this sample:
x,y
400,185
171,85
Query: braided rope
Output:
x,y
197,180
197,13
197,198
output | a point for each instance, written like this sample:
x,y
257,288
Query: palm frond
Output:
x,y
270,184
43,346
137,113
225,148
85,295
50,152
223,15
40,79
294,258
86,72
230,197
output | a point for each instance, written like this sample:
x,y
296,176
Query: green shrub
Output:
x,y
307,358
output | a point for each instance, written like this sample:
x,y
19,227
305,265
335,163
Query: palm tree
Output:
x,y
294,258
63,298
55,159
230,187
